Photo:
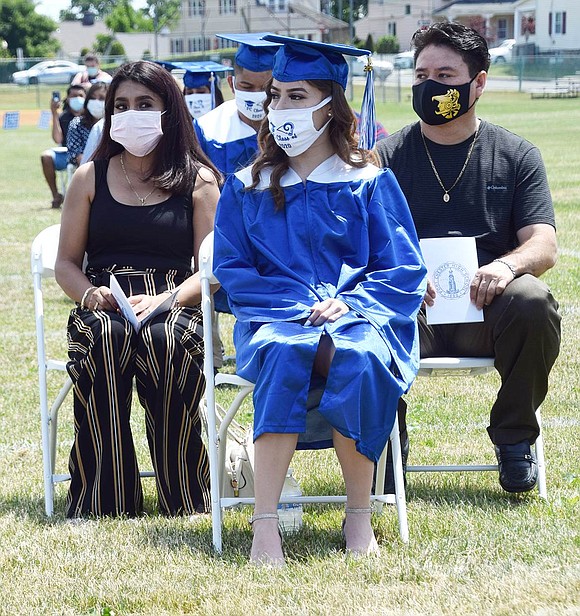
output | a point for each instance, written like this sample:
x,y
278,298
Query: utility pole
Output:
x,y
351,21
156,32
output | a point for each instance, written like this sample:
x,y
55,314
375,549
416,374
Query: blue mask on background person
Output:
x,y
438,103
76,103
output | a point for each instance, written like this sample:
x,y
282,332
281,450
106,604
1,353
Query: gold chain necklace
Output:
x,y
446,191
141,199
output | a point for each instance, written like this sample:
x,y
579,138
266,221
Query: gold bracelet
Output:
x,y
85,297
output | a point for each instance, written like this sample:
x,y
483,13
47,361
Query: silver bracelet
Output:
x,y
511,268
85,296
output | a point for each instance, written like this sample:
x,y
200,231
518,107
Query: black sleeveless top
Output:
x,y
156,236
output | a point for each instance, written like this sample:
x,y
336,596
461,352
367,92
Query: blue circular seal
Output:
x,y
451,280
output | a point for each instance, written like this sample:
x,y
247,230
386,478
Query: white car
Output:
x,y
382,68
502,53
405,59
49,71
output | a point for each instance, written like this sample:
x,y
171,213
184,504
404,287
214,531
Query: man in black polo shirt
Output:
x,y
464,176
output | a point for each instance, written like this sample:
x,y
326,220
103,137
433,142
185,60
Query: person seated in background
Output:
x,y
343,314
466,176
201,84
140,211
55,159
80,127
92,73
202,92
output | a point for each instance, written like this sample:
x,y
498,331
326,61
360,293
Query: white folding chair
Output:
x,y
217,433
43,257
42,260
473,366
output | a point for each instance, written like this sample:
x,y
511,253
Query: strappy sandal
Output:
x,y
372,548
264,559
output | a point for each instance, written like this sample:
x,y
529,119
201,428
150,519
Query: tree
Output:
x,y
369,43
341,9
107,45
21,26
124,18
101,8
162,12
387,44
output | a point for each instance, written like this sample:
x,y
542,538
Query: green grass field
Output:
x,y
473,549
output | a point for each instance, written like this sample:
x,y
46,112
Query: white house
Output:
x,y
557,24
74,36
201,19
400,18
549,25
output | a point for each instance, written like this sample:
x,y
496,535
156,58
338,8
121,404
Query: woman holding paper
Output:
x,y
139,211
316,249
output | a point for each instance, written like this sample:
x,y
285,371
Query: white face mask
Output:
x,y
96,108
293,129
76,103
250,104
137,131
92,71
198,104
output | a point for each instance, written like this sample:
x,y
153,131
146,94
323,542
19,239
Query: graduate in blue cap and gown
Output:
x,y
229,134
317,251
201,84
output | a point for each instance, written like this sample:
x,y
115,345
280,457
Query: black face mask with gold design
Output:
x,y
438,103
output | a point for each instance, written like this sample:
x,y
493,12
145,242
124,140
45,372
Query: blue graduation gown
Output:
x,y
344,233
229,143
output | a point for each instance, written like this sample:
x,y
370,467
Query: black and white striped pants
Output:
x,y
165,359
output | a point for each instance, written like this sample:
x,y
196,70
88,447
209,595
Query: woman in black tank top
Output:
x,y
139,211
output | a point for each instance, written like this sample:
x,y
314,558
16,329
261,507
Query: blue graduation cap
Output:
x,y
254,52
198,74
299,60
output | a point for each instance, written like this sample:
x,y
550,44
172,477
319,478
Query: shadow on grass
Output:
x,y
457,492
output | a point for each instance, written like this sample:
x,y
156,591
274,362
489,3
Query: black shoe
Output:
x,y
518,470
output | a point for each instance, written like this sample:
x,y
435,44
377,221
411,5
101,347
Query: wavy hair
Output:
x,y
178,156
342,131
467,42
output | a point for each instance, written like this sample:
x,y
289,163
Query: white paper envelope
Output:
x,y
451,265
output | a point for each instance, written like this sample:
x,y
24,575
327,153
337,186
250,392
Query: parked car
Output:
x,y
405,59
503,52
49,71
383,68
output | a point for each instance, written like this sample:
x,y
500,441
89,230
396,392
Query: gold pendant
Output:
x,y
446,197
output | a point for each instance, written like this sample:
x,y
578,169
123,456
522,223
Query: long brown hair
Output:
x,y
178,156
342,130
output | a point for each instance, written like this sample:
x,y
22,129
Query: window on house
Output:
x,y
176,45
196,44
195,7
502,32
227,7
392,28
560,23
277,6
407,9
557,23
